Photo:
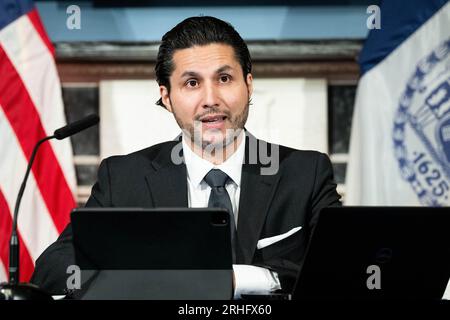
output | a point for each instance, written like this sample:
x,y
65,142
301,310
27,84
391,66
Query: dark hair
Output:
x,y
198,31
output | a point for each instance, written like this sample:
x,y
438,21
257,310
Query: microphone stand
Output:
x,y
13,290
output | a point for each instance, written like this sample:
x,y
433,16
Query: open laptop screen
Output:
x,y
153,253
377,253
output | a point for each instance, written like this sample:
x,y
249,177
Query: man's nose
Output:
x,y
211,96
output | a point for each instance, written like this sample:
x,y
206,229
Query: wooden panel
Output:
x,y
96,71
93,61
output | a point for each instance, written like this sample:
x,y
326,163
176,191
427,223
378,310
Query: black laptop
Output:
x,y
377,253
160,254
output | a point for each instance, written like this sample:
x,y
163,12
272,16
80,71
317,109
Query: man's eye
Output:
x,y
191,83
225,78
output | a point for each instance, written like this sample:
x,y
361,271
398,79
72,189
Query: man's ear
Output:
x,y
249,81
165,98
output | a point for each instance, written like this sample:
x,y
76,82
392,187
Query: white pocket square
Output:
x,y
271,240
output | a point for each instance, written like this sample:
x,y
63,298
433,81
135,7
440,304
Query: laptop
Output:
x,y
156,254
377,253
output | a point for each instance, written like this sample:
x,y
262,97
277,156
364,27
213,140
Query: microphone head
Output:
x,y
76,126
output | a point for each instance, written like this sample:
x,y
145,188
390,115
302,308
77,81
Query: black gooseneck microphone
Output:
x,y
75,127
13,290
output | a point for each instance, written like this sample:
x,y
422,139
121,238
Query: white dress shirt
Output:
x,y
248,279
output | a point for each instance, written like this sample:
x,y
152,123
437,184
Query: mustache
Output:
x,y
213,111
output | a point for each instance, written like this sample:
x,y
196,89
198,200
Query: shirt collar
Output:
x,y
198,167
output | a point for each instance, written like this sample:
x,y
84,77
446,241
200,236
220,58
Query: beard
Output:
x,y
214,139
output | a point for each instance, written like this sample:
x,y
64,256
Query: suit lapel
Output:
x,y
168,181
257,192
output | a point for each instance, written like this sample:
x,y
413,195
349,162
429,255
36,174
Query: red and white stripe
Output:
x,y
31,108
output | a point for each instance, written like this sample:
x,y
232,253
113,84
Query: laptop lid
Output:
x,y
377,253
177,253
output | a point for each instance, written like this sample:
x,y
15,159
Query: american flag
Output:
x,y
31,108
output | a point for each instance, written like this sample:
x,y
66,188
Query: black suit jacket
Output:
x,y
269,205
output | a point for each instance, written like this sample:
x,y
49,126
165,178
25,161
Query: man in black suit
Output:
x,y
274,193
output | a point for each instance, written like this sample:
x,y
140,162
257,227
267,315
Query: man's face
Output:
x,y
209,96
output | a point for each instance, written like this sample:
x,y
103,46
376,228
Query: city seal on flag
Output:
x,y
421,132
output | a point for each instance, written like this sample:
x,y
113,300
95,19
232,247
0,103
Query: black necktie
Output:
x,y
219,198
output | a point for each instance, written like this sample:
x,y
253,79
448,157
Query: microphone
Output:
x,y
13,290
76,127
